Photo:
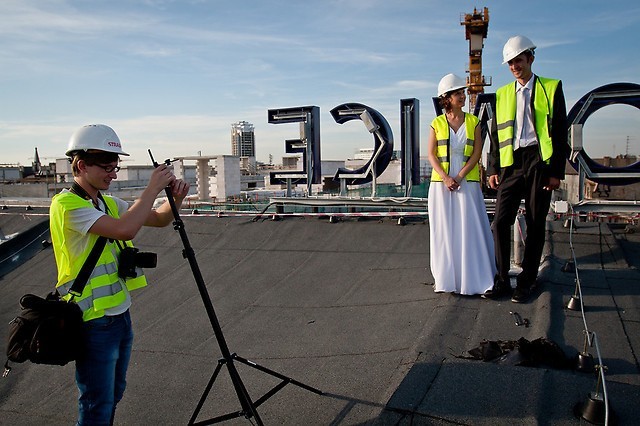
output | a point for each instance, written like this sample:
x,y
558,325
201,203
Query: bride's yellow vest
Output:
x,y
441,127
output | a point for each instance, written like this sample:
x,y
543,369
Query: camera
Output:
x,y
132,258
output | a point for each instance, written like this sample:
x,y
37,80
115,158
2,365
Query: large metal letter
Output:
x,y
485,111
410,143
609,94
383,144
308,145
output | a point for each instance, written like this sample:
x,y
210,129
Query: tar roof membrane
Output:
x,y
347,308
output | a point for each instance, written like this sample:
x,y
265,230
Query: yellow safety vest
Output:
x,y
104,288
441,127
544,93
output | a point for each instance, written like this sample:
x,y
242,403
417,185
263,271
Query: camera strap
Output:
x,y
121,244
91,260
90,263
80,192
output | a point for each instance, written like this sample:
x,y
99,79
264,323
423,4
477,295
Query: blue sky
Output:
x,y
173,75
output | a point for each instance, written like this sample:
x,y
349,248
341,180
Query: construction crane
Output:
x,y
476,26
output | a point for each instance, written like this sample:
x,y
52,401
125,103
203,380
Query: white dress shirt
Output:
x,y
524,129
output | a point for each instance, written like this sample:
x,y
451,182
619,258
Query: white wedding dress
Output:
x,y
461,244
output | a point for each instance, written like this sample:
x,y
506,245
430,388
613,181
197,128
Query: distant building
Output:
x,y
392,175
243,141
10,172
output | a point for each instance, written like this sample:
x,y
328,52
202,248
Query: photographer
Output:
x,y
78,217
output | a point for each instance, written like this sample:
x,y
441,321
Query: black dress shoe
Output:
x,y
521,295
499,289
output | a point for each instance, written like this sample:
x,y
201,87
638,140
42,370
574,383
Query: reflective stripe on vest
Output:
x,y
441,127
543,97
104,289
100,270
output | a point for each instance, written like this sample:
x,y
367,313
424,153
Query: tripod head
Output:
x,y
177,224
155,164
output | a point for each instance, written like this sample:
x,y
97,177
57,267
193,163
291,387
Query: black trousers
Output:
x,y
524,179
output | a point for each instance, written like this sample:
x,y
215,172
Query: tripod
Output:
x,y
248,407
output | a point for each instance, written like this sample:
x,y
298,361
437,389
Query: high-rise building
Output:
x,y
243,141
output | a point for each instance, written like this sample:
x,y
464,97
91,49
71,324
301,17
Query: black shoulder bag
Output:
x,y
49,330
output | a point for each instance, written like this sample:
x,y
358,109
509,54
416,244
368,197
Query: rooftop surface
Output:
x,y
346,308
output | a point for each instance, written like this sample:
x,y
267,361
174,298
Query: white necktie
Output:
x,y
520,119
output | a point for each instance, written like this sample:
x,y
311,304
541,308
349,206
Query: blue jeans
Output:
x,y
101,373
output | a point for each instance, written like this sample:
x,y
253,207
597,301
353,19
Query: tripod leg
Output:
x,y
206,391
248,407
275,374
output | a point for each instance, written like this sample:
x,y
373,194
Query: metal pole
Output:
x,y
307,132
519,234
408,148
580,182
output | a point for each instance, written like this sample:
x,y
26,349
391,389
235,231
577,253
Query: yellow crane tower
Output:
x,y
476,26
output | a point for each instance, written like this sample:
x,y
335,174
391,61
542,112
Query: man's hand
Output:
x,y
494,181
161,177
179,189
553,183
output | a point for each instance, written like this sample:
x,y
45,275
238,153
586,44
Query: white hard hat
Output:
x,y
95,136
515,46
450,83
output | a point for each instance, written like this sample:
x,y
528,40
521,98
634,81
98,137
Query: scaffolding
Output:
x,y
476,26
